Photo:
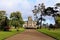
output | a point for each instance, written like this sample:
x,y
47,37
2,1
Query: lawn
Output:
x,y
54,33
4,34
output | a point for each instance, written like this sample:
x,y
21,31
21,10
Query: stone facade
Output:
x,y
30,23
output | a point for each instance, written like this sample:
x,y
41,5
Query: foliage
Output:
x,y
58,18
58,21
58,4
50,11
3,20
16,19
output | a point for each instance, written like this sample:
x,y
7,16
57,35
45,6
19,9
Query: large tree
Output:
x,y
39,9
3,20
51,12
16,19
58,17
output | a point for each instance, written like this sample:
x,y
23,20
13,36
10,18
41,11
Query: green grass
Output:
x,y
4,34
54,33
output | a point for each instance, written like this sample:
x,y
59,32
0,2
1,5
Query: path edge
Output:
x,y
48,35
13,35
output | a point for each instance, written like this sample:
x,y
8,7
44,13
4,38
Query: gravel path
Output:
x,y
30,34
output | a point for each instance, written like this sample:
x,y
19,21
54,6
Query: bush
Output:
x,y
6,28
51,26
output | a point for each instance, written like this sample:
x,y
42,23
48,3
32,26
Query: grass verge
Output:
x,y
53,33
4,34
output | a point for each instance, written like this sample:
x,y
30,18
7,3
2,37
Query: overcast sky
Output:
x,y
25,6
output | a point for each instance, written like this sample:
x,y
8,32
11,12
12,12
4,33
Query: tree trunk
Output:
x,y
55,23
41,22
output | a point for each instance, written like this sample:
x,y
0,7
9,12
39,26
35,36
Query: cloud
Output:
x,y
15,5
24,6
47,2
7,3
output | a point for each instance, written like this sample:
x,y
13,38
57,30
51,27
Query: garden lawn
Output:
x,y
54,33
4,34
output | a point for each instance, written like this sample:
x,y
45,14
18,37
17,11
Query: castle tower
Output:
x,y
30,21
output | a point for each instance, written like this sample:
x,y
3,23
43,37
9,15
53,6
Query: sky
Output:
x,y
25,7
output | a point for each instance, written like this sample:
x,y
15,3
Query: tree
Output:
x,y
58,17
58,4
58,22
16,19
3,20
51,12
6,24
39,9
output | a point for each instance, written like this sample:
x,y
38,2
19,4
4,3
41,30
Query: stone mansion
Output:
x,y
30,23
